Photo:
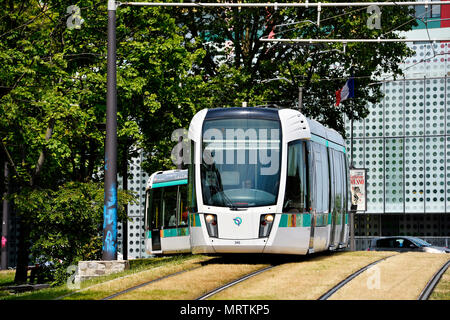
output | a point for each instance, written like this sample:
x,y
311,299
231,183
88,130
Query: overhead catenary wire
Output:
x,y
282,5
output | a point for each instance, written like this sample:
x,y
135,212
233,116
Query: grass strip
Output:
x,y
402,277
193,284
93,288
442,290
304,280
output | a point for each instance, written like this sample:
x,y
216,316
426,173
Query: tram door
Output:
x,y
319,187
162,212
338,197
333,208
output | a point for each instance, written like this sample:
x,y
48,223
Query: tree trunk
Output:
x,y
23,251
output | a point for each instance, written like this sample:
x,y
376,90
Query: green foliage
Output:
x,y
66,224
170,64
238,73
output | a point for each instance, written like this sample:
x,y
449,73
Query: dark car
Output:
x,y
404,244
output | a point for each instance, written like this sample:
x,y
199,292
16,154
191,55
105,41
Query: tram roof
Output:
x,y
316,127
319,129
167,176
239,112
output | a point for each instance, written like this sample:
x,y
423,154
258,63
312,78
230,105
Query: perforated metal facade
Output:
x,y
137,182
405,145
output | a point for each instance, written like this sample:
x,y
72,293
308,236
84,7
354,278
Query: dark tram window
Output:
x,y
339,178
332,169
183,205
192,206
319,178
296,187
162,208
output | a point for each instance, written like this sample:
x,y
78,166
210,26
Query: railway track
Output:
x,y
146,284
426,292
211,292
424,295
234,282
330,292
194,270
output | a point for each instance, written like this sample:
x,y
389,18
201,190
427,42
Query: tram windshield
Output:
x,y
240,162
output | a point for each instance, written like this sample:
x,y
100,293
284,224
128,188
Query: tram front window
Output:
x,y
163,207
240,162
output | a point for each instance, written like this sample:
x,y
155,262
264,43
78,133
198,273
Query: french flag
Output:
x,y
347,91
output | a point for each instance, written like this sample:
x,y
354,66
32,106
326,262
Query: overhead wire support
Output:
x,y
110,203
378,40
285,5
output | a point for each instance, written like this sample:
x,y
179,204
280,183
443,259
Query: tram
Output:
x,y
266,180
166,217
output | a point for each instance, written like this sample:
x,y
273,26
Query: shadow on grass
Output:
x,y
272,259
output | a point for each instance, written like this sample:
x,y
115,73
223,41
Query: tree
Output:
x,y
53,97
237,62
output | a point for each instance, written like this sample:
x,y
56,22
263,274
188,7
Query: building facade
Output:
x,y
404,144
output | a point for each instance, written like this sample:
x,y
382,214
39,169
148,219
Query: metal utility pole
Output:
x,y
5,223
352,206
300,98
110,208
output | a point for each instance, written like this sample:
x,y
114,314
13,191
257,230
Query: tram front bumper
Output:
x,y
237,245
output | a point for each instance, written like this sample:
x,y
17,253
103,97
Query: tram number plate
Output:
x,y
237,242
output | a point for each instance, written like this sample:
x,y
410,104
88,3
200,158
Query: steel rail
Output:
x,y
426,292
234,282
333,290
146,283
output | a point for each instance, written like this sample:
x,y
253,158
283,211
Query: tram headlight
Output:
x,y
211,225
265,225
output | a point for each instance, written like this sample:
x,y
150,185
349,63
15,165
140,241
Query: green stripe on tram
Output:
x,y
327,143
169,183
295,220
175,232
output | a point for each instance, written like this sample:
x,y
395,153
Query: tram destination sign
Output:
x,y
358,183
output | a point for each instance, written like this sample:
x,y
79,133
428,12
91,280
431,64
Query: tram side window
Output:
x,y
331,158
340,178
153,207
169,206
162,208
192,197
319,182
183,205
295,196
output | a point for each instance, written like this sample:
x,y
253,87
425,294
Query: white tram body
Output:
x,y
266,180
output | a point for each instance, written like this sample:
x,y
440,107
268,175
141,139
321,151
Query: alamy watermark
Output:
x,y
374,278
74,21
232,146
374,21
73,281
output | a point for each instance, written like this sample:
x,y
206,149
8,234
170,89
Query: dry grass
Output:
x,y
304,280
192,284
402,277
105,289
442,290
